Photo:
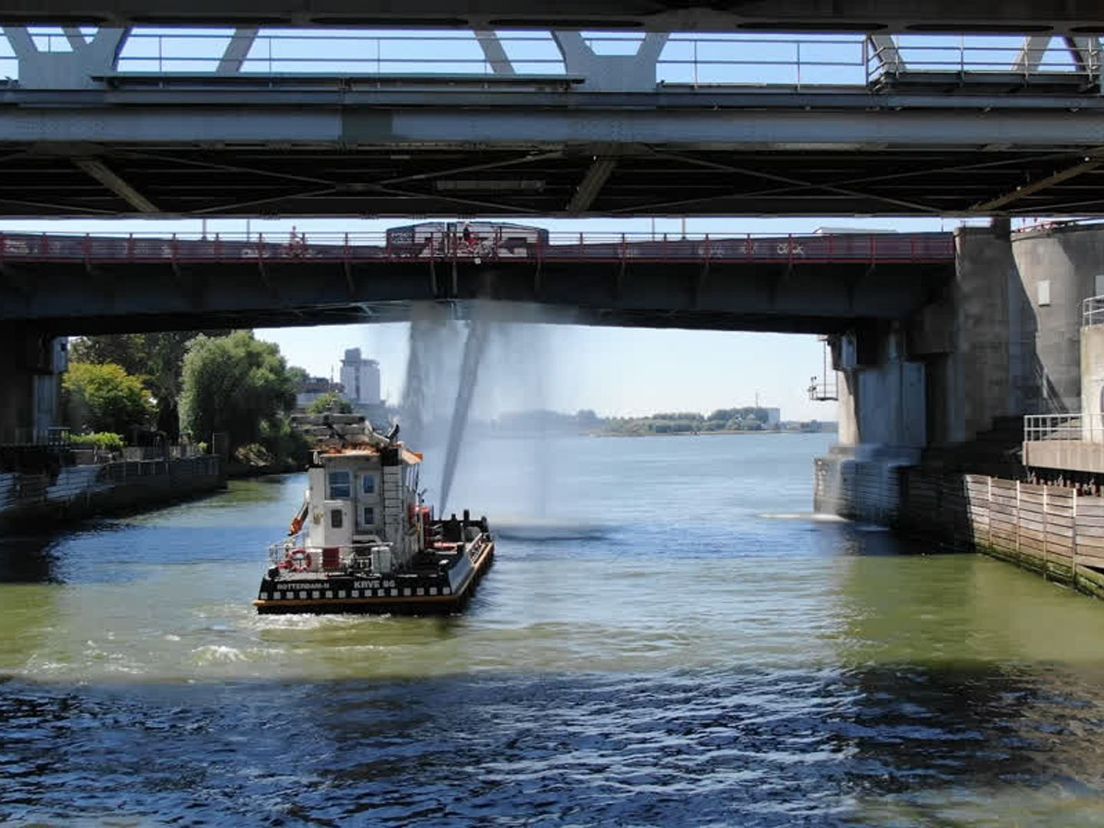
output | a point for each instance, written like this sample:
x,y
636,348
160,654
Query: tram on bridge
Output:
x,y
474,240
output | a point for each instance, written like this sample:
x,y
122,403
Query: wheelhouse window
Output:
x,y
336,518
369,516
340,485
368,484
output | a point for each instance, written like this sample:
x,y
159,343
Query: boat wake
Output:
x,y
811,517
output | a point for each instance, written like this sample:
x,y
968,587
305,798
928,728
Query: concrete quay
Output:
x,y
48,497
979,423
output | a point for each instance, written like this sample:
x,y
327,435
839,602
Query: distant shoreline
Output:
x,y
723,433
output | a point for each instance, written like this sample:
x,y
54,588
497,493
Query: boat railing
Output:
x,y
279,551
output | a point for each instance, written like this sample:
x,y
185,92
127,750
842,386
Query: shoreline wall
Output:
x,y
1054,531
74,492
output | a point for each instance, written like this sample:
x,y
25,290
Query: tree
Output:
x,y
156,357
330,403
105,398
236,384
298,375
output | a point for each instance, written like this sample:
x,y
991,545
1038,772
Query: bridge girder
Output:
x,y
795,297
248,151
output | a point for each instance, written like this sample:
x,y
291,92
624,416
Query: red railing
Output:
x,y
499,246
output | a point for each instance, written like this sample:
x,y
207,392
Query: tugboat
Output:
x,y
370,545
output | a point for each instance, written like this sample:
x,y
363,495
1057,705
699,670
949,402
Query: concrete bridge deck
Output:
x,y
815,283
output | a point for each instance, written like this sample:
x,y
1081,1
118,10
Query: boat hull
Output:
x,y
413,593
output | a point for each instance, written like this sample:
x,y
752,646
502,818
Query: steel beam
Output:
x,y
596,176
1031,55
465,92
1085,52
102,173
1038,186
887,54
529,130
494,52
237,50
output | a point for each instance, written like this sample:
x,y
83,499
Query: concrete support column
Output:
x,y
882,395
989,372
31,363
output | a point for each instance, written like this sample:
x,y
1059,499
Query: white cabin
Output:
x,y
365,497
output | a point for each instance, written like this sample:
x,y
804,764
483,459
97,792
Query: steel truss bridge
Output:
x,y
814,283
253,121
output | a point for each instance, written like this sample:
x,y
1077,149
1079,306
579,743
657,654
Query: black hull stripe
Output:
x,y
385,603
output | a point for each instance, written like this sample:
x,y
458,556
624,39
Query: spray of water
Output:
x,y
474,346
434,340
493,360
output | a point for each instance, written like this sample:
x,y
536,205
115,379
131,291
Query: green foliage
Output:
x,y
105,440
105,398
748,418
740,414
287,444
236,384
298,375
330,403
156,357
690,416
254,455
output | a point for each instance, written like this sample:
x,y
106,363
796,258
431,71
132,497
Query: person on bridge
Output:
x,y
297,243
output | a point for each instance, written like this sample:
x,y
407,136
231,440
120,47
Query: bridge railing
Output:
x,y
335,53
1064,427
501,244
977,56
698,59
799,61
1092,311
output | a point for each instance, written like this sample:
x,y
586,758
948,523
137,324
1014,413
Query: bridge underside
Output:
x,y
655,15
87,179
66,299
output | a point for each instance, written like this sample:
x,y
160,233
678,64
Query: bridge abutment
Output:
x,y
932,384
31,363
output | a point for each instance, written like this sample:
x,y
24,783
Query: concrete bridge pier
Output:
x,y
926,387
31,363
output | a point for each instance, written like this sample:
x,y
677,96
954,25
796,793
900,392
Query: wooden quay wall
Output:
x,y
1055,531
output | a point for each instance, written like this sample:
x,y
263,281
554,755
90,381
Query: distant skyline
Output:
x,y
615,371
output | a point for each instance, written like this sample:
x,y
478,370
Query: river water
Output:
x,y
668,637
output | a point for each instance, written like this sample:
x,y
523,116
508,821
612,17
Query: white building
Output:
x,y
361,378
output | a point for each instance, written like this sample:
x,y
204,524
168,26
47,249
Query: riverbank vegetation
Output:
x,y
241,386
105,398
155,358
188,385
